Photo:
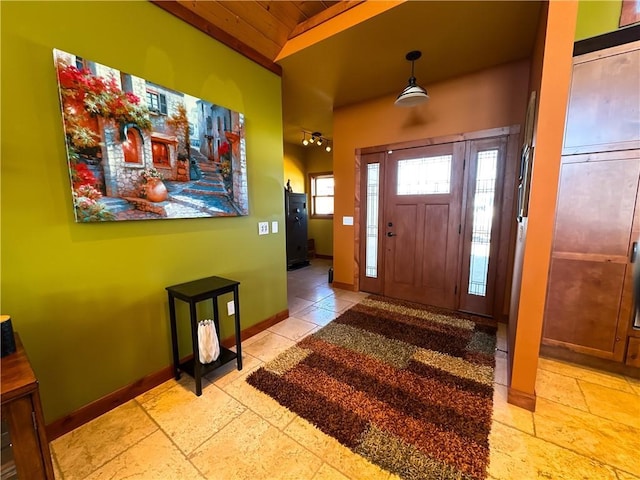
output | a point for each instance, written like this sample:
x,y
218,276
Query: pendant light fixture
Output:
x,y
413,94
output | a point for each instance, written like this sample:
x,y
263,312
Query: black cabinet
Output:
x,y
295,207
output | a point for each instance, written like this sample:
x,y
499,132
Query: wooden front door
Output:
x,y
422,224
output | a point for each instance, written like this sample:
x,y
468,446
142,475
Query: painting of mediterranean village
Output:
x,y
140,151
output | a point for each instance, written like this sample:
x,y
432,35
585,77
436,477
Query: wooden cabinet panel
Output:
x,y
589,298
24,438
633,353
604,103
22,412
583,303
596,202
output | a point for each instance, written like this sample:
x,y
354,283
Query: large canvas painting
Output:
x,y
139,151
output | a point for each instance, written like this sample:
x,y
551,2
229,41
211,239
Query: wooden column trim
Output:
x,y
521,399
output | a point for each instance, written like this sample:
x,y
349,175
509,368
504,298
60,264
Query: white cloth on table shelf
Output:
x,y
208,344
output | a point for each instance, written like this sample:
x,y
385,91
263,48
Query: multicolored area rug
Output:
x,y
406,386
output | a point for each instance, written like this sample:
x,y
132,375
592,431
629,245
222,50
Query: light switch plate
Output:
x,y
347,220
274,226
263,228
231,308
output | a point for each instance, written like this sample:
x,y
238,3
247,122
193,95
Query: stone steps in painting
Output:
x,y
206,187
116,204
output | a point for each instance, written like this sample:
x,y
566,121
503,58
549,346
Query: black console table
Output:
x,y
192,293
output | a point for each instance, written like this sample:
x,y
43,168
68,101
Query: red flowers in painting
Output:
x,y
101,97
135,100
72,77
223,149
82,175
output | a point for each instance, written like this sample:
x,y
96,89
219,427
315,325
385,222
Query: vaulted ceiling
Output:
x,y
367,59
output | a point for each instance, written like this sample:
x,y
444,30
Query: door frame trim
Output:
x,y
425,142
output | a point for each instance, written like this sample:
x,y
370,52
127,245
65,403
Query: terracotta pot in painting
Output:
x,y
156,190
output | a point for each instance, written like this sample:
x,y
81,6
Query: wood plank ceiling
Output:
x,y
367,59
257,29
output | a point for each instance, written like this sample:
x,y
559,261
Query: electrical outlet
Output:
x,y
274,226
231,308
263,228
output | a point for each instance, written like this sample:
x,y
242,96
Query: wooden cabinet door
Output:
x,y
589,293
26,444
604,102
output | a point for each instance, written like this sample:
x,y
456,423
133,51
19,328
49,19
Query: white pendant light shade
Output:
x,y
413,94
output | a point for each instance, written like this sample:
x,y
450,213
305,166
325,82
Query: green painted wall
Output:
x,y
88,299
320,229
597,17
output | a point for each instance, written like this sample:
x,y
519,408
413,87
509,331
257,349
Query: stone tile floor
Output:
x,y
586,426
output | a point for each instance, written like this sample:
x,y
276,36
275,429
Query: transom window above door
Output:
x,y
424,176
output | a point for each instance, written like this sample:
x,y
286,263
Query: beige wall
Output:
x,y
491,98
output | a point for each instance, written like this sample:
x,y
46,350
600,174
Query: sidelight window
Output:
x,y
483,201
373,200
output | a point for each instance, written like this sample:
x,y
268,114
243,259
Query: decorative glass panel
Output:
x,y
482,221
423,176
373,199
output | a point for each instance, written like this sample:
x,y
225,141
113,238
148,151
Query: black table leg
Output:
x,y
236,305
216,318
196,350
174,337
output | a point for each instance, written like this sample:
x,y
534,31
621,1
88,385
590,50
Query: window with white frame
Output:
x,y
321,194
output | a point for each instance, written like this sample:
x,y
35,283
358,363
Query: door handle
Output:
x,y
634,252
391,234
